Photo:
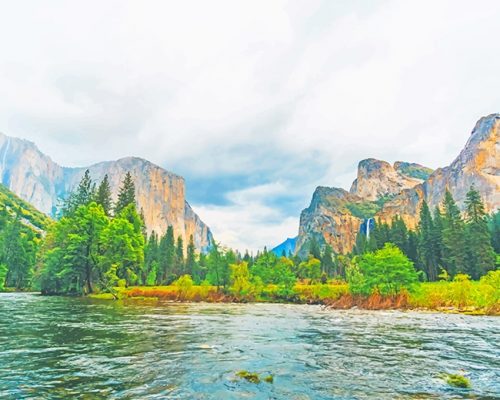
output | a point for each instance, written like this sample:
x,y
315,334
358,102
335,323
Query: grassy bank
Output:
x,y
466,297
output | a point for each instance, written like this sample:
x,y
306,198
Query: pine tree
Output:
x,y
314,248
480,253
426,246
167,257
126,195
151,259
82,196
494,227
398,234
103,196
437,236
327,261
454,250
191,265
179,257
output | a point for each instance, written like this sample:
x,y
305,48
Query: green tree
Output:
x,y
218,273
3,275
167,257
387,271
124,246
480,253
179,257
310,269
74,254
426,244
314,248
454,246
151,259
191,264
103,196
126,195
494,227
82,196
17,254
327,261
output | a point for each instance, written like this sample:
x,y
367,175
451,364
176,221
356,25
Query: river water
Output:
x,y
71,348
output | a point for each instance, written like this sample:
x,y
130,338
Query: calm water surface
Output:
x,y
58,348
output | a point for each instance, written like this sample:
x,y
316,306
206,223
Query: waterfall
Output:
x,y
368,228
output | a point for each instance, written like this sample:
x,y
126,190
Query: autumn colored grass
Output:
x,y
462,295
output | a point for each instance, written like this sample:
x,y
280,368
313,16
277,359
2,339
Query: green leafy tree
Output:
x,y
124,246
218,273
480,253
387,271
73,257
3,275
126,195
17,254
310,269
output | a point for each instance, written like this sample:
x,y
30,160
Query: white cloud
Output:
x,y
247,223
271,91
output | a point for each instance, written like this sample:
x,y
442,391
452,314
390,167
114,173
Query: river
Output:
x,y
74,348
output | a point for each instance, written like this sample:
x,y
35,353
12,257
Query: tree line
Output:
x,y
445,241
97,245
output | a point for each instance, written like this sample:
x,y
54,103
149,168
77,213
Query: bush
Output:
x,y
387,271
184,285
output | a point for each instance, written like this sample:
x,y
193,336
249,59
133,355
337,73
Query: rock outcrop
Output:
x,y
478,165
384,191
377,179
160,194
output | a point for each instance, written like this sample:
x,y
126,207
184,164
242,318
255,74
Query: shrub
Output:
x,y
387,271
184,285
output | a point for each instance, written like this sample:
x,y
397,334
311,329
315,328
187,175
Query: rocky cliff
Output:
x,y
160,194
377,179
478,164
383,191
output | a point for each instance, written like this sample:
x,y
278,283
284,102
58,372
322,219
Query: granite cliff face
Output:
x,y
478,164
160,194
329,221
382,191
377,179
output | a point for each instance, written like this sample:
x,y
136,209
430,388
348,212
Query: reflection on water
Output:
x,y
55,347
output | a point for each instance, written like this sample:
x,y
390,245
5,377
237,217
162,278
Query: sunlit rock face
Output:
x,y
160,194
383,191
328,221
378,179
478,165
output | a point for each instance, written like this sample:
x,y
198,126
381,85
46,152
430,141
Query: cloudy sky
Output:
x,y
255,103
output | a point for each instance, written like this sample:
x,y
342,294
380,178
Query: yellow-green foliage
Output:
x,y
12,204
243,285
461,293
320,293
184,286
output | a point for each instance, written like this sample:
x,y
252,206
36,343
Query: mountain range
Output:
x,y
160,194
382,191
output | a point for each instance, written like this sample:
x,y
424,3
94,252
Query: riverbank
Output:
x,y
452,297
